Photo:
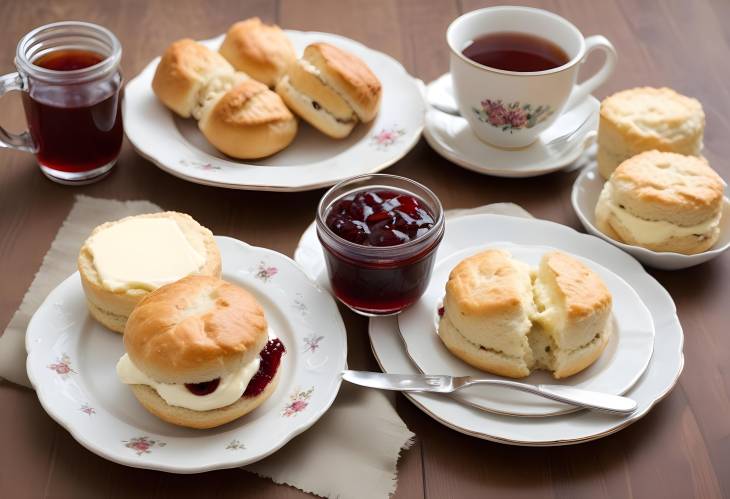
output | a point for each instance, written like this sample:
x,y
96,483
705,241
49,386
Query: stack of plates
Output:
x,y
633,363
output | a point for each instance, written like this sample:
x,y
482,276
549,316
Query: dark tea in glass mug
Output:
x,y
71,83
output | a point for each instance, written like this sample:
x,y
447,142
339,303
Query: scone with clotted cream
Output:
x,y
641,119
122,261
663,202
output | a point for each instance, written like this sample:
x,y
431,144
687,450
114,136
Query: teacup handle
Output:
x,y
580,92
19,141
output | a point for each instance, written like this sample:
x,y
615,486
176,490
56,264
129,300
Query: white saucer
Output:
x,y
72,359
451,137
622,363
586,191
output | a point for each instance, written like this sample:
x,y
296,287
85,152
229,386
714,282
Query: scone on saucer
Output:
x,y
199,353
185,70
331,89
262,51
122,261
663,202
249,121
502,318
573,321
487,311
641,119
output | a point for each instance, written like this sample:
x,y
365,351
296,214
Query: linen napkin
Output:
x,y
351,452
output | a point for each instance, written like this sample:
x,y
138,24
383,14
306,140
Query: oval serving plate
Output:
x,y
311,161
72,361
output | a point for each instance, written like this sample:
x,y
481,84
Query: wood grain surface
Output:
x,y
681,449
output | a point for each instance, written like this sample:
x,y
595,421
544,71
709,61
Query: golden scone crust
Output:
x,y
349,76
261,50
184,69
248,121
582,290
112,308
182,416
642,119
194,330
655,185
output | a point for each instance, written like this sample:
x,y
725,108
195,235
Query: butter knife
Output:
x,y
614,404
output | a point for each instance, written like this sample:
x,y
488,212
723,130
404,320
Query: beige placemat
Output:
x,y
352,452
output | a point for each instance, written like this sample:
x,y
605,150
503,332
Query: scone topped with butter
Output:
x,y
663,202
641,119
122,261
502,317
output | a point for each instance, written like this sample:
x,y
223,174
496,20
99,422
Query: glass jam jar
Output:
x,y
71,83
380,234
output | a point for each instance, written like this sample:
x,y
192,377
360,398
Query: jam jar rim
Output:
x,y
381,251
93,32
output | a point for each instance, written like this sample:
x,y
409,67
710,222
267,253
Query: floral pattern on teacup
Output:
x,y
62,366
298,401
387,137
142,445
511,116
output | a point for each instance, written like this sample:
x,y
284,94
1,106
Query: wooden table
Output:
x,y
681,449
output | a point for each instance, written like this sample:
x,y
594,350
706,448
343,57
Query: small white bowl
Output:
x,y
586,190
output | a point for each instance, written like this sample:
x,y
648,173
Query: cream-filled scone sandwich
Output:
x,y
187,72
331,89
642,119
199,353
122,261
248,121
663,202
501,317
262,51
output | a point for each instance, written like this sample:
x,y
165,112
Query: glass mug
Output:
x,y
71,83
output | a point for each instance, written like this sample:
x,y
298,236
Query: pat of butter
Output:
x,y
229,390
143,253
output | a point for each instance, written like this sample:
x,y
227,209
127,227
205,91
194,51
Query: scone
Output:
x,y
331,89
573,321
199,353
663,202
502,318
248,121
262,51
185,70
487,310
642,119
122,261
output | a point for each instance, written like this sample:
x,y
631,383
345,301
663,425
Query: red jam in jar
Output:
x,y
380,234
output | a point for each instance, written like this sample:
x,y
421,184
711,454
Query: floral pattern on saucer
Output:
x,y
387,137
142,445
87,409
235,444
512,116
298,401
199,165
265,272
311,342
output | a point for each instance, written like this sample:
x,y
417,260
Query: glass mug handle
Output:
x,y
582,90
19,141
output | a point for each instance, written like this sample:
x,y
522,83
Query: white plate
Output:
x,y
310,162
584,197
451,137
657,381
623,361
72,359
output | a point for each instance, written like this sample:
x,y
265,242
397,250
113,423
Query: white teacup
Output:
x,y
510,109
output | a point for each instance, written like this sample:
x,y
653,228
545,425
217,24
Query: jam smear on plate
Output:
x,y
379,217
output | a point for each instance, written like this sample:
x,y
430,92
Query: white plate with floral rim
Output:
x,y
311,161
72,360
657,381
452,138
584,197
623,361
